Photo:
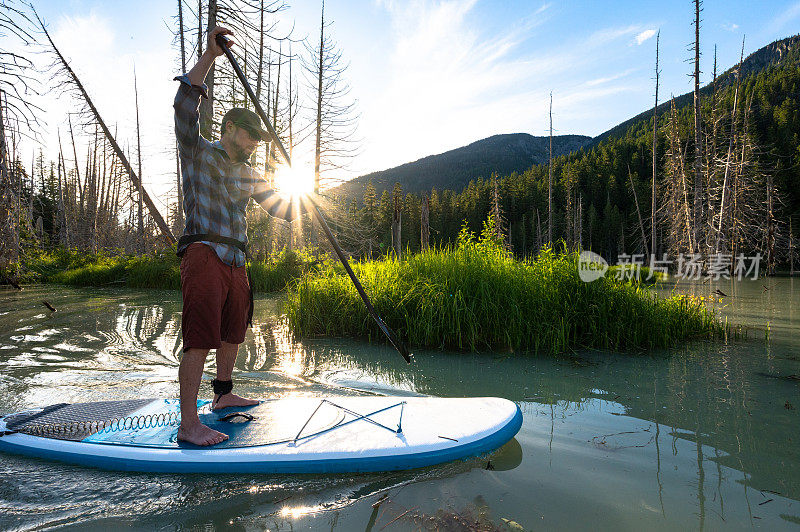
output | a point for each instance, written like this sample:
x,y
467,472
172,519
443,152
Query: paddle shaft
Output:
x,y
224,44
393,339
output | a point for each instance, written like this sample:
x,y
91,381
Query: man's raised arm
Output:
x,y
187,100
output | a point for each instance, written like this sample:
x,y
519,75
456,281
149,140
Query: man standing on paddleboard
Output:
x,y
218,183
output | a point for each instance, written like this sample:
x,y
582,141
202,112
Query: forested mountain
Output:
x,y
454,169
742,195
770,55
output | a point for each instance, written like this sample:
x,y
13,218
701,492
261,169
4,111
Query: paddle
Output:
x,y
223,42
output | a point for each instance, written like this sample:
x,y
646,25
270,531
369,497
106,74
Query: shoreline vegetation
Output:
x,y
473,295
159,270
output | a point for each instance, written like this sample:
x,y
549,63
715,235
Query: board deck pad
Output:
x,y
274,422
76,421
299,434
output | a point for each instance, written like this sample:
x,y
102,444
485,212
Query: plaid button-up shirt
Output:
x,y
216,190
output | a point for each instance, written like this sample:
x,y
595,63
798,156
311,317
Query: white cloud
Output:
x,y
779,22
443,74
600,81
449,84
645,35
729,26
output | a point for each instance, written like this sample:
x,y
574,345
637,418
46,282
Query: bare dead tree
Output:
x,y
140,211
73,83
179,185
653,243
697,211
240,16
335,119
676,211
550,179
181,36
199,29
9,232
721,212
293,102
17,80
538,232
318,136
102,176
93,191
271,163
260,68
18,87
751,222
710,168
63,194
207,104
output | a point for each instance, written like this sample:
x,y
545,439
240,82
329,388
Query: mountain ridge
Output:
x,y
503,153
516,152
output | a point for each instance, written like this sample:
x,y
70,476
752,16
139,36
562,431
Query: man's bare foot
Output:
x,y
231,399
199,434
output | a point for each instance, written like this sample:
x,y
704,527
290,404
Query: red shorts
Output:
x,y
216,299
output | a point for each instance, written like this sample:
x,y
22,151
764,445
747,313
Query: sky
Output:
x,y
427,75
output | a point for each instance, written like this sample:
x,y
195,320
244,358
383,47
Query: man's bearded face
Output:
x,y
244,143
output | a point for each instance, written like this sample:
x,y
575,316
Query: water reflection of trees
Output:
x,y
707,394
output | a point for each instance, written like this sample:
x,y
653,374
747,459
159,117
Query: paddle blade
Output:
x,y
394,340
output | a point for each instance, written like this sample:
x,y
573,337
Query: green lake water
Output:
x,y
704,436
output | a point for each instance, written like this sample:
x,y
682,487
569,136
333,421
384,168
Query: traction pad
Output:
x,y
154,422
74,420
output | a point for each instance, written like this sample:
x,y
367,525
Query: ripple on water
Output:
x,y
41,349
360,380
43,335
64,346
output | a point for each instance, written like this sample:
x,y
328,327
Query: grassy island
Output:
x,y
475,296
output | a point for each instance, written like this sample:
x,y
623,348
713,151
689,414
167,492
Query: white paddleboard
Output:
x,y
291,435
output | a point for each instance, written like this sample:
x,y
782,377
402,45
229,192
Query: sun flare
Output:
x,y
296,180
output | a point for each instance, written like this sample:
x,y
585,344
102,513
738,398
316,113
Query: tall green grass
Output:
x,y
475,296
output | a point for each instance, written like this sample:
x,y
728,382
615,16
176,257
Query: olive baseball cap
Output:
x,y
246,119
